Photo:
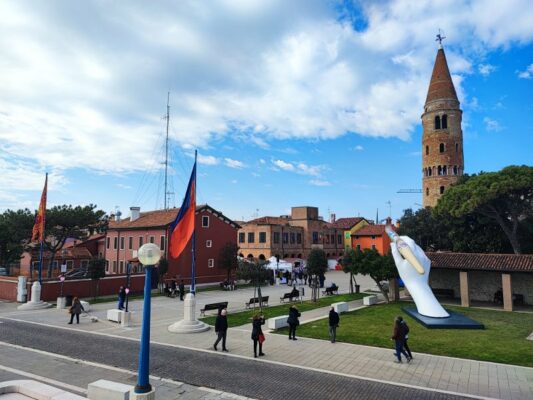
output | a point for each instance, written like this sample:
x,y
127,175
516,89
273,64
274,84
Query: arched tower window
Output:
x,y
427,191
437,122
427,150
445,170
429,171
439,170
455,169
456,147
442,147
444,121
441,189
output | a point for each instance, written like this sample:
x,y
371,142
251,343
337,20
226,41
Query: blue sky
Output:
x,y
288,103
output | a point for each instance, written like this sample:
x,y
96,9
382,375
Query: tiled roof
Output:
x,y
269,221
441,85
477,261
346,223
370,230
159,218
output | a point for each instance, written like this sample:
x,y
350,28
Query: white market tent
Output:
x,y
274,264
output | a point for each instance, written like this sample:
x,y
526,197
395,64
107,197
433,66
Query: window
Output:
x,y
444,121
442,147
315,237
152,239
373,237
293,238
429,171
373,247
358,247
339,239
285,237
108,242
441,189
130,243
455,169
275,239
298,238
456,147
439,170
115,243
208,243
326,239
122,243
241,237
262,237
445,170
211,263
114,267
251,237
427,150
121,267
427,191
205,221
141,241
437,122
70,264
162,241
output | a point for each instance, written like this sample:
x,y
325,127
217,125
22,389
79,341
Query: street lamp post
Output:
x,y
149,255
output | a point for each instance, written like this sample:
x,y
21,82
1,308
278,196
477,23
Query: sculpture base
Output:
x,y
454,321
189,323
34,305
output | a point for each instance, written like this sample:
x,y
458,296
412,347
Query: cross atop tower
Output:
x,y
439,39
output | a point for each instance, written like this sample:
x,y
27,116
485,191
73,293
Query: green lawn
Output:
x,y
503,340
245,317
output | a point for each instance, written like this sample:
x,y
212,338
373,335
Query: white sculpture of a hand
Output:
x,y
417,283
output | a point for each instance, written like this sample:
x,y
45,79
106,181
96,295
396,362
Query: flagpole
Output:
x,y
42,236
41,264
193,277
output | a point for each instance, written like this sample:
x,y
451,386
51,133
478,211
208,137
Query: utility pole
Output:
x,y
166,152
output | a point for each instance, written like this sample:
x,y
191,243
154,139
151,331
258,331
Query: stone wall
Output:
x,y
445,279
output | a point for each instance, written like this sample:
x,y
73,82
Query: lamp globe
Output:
x,y
149,254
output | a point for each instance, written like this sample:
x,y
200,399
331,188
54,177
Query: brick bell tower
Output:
x,y
442,139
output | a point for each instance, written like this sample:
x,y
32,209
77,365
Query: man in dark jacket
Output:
x,y
333,324
293,322
398,335
182,290
221,328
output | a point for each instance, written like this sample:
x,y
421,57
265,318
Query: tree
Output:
x,y
254,271
15,231
505,197
162,269
227,258
379,268
96,270
350,264
317,265
63,222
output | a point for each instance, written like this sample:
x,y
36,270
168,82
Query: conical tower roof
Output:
x,y
441,85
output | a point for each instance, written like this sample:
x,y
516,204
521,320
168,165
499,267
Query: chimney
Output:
x,y
332,218
388,221
135,213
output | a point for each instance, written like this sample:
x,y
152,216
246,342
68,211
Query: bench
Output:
x,y
255,300
443,293
370,300
214,306
277,322
289,296
340,307
330,290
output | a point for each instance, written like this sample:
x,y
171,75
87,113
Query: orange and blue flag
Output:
x,y
182,229
40,218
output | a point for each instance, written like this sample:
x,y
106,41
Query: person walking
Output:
x,y
333,324
398,336
221,329
405,345
75,310
293,321
182,289
121,297
257,334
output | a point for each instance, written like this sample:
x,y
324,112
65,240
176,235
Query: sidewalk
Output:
x,y
426,371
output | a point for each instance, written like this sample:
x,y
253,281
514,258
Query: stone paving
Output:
x,y
428,371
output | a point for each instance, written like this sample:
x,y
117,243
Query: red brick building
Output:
x,y
372,237
213,230
442,139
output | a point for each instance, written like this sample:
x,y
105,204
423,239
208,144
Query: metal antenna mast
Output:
x,y
166,152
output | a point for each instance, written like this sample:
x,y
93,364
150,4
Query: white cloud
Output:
x,y
318,182
492,124
261,161
359,148
92,99
122,186
207,160
299,167
486,69
286,166
233,163
527,73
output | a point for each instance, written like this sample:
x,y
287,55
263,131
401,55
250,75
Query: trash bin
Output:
x,y
69,300
357,288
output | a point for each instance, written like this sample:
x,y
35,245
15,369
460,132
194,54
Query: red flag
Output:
x,y
40,218
182,228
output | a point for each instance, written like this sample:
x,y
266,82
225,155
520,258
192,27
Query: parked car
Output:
x,y
3,271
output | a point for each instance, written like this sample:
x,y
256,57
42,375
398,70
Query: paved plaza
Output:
x,y
436,374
